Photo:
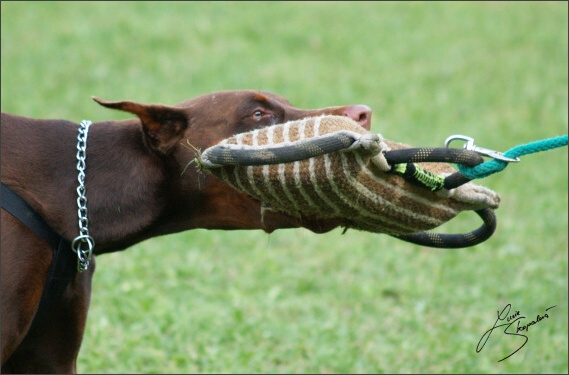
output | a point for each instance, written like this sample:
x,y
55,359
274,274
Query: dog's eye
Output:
x,y
261,117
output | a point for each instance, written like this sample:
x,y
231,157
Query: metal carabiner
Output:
x,y
470,146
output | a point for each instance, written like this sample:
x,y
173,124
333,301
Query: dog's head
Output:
x,y
177,133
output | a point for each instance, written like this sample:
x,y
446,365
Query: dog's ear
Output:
x,y
163,126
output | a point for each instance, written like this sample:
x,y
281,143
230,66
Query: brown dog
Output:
x,y
137,187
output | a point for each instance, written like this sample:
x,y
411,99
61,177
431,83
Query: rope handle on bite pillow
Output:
x,y
456,241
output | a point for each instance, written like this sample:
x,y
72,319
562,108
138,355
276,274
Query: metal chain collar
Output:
x,y
83,244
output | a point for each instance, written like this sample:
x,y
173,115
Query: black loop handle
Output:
x,y
433,155
225,155
437,155
456,241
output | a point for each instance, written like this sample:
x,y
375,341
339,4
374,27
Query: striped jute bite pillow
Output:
x,y
355,184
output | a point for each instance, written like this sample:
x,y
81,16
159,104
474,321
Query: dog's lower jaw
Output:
x,y
273,220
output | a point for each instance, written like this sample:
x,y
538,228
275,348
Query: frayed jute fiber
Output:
x,y
354,185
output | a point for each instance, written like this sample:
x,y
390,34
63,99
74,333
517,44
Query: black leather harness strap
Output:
x,y
64,265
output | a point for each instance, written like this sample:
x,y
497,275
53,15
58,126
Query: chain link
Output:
x,y
83,244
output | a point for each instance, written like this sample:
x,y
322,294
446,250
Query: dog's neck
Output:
x,y
130,191
126,185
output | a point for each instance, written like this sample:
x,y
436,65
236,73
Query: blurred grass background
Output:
x,y
292,301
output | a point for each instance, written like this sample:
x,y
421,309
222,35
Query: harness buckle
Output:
x,y
470,146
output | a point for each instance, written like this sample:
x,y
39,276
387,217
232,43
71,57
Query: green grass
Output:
x,y
292,301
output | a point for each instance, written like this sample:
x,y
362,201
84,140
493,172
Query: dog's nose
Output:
x,y
359,113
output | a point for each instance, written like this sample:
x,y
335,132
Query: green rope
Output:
x,y
415,174
493,166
